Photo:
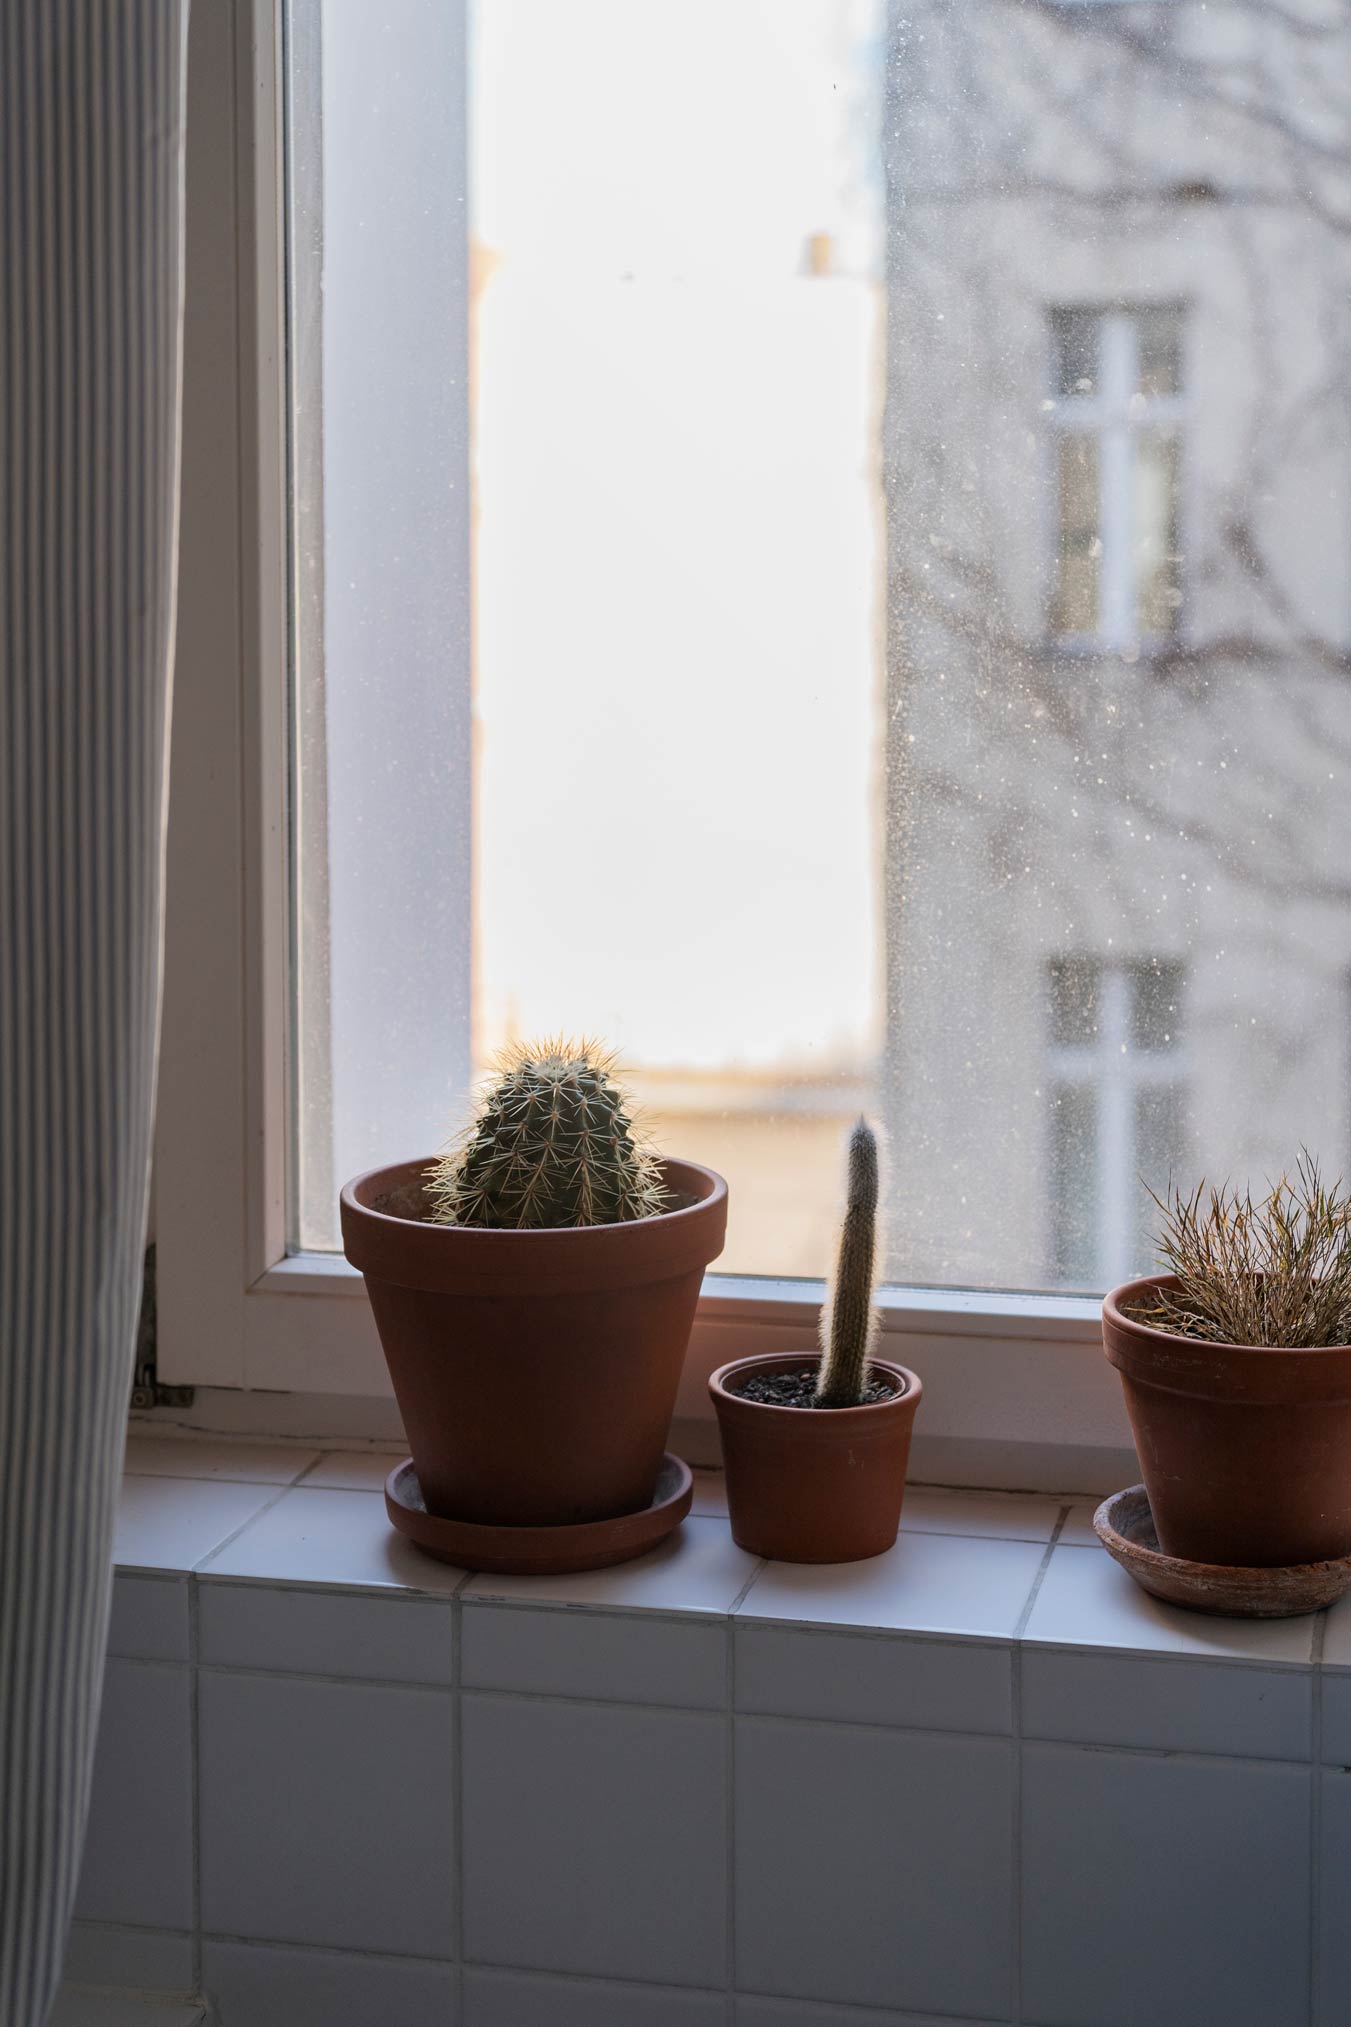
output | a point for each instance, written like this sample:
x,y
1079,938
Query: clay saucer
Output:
x,y
540,1551
1125,1527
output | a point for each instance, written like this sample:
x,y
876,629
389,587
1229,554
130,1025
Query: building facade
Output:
x,y
1117,451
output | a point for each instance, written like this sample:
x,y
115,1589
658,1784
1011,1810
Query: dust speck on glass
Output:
x,y
820,543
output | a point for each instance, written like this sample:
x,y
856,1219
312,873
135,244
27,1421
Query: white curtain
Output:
x,y
91,267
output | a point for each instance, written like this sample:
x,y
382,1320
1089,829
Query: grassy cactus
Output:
x,y
553,1144
849,1321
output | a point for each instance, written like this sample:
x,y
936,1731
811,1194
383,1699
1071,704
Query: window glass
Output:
x,y
819,555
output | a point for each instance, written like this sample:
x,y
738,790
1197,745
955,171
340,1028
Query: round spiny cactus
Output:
x,y
849,1321
553,1144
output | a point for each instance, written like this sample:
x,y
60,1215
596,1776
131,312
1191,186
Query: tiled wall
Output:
x,y
704,1790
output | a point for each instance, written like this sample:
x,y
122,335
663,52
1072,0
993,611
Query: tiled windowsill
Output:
x,y
338,1781
1003,1568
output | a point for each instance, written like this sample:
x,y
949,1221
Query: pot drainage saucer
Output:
x,y
1124,1525
540,1551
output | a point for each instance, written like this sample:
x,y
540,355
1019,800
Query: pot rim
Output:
x,y
575,1234
1114,1314
912,1388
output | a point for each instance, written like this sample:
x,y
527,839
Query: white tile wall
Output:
x,y
138,1851
516,1999
257,1986
874,1867
869,1678
618,1657
142,1959
326,1813
886,1731
1170,1703
1332,1962
149,1618
401,1638
1164,1890
594,1839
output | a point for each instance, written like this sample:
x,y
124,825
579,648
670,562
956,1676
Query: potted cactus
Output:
x,y
1236,1369
534,1290
816,1453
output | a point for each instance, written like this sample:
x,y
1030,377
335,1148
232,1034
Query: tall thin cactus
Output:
x,y
553,1144
849,1320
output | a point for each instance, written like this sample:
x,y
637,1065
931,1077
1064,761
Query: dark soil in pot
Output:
x,y
798,1390
536,1371
813,1485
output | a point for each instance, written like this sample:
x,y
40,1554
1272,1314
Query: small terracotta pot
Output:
x,y
536,1372
814,1484
1245,1450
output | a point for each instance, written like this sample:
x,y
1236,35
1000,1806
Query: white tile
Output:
x,y
1087,1600
1077,1531
74,2008
354,1470
248,1463
1337,1635
138,1846
257,1986
1336,1694
1008,1516
866,1678
710,1494
141,1959
326,1813
324,1537
531,1999
594,1839
149,1620
928,1583
874,1867
1162,1890
1333,2005
1169,1704
754,2012
172,1523
390,1639
699,1569
621,1657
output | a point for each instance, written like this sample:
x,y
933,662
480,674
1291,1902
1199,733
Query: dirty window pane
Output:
x,y
901,469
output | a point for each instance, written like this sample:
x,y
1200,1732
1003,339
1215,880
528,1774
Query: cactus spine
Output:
x,y
553,1144
849,1321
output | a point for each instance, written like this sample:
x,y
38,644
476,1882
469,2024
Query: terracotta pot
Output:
x,y
1245,1450
813,1484
536,1372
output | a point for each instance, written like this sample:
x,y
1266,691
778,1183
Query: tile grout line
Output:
x,y
1316,1819
279,1493
195,1776
1016,1827
457,1790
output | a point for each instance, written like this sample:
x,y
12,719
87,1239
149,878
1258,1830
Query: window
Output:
x,y
651,612
1116,1094
1115,410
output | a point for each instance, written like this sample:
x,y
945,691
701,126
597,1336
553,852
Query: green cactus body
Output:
x,y
553,1144
849,1321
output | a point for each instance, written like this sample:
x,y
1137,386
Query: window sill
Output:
x,y
990,1567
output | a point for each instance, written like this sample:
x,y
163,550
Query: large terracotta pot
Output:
x,y
1245,1450
536,1372
813,1484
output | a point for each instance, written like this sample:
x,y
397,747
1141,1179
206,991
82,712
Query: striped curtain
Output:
x,y
91,218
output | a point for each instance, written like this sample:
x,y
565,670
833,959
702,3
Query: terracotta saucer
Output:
x,y
540,1551
1125,1527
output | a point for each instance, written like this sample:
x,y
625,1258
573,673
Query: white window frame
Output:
x,y
1116,414
1016,1390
